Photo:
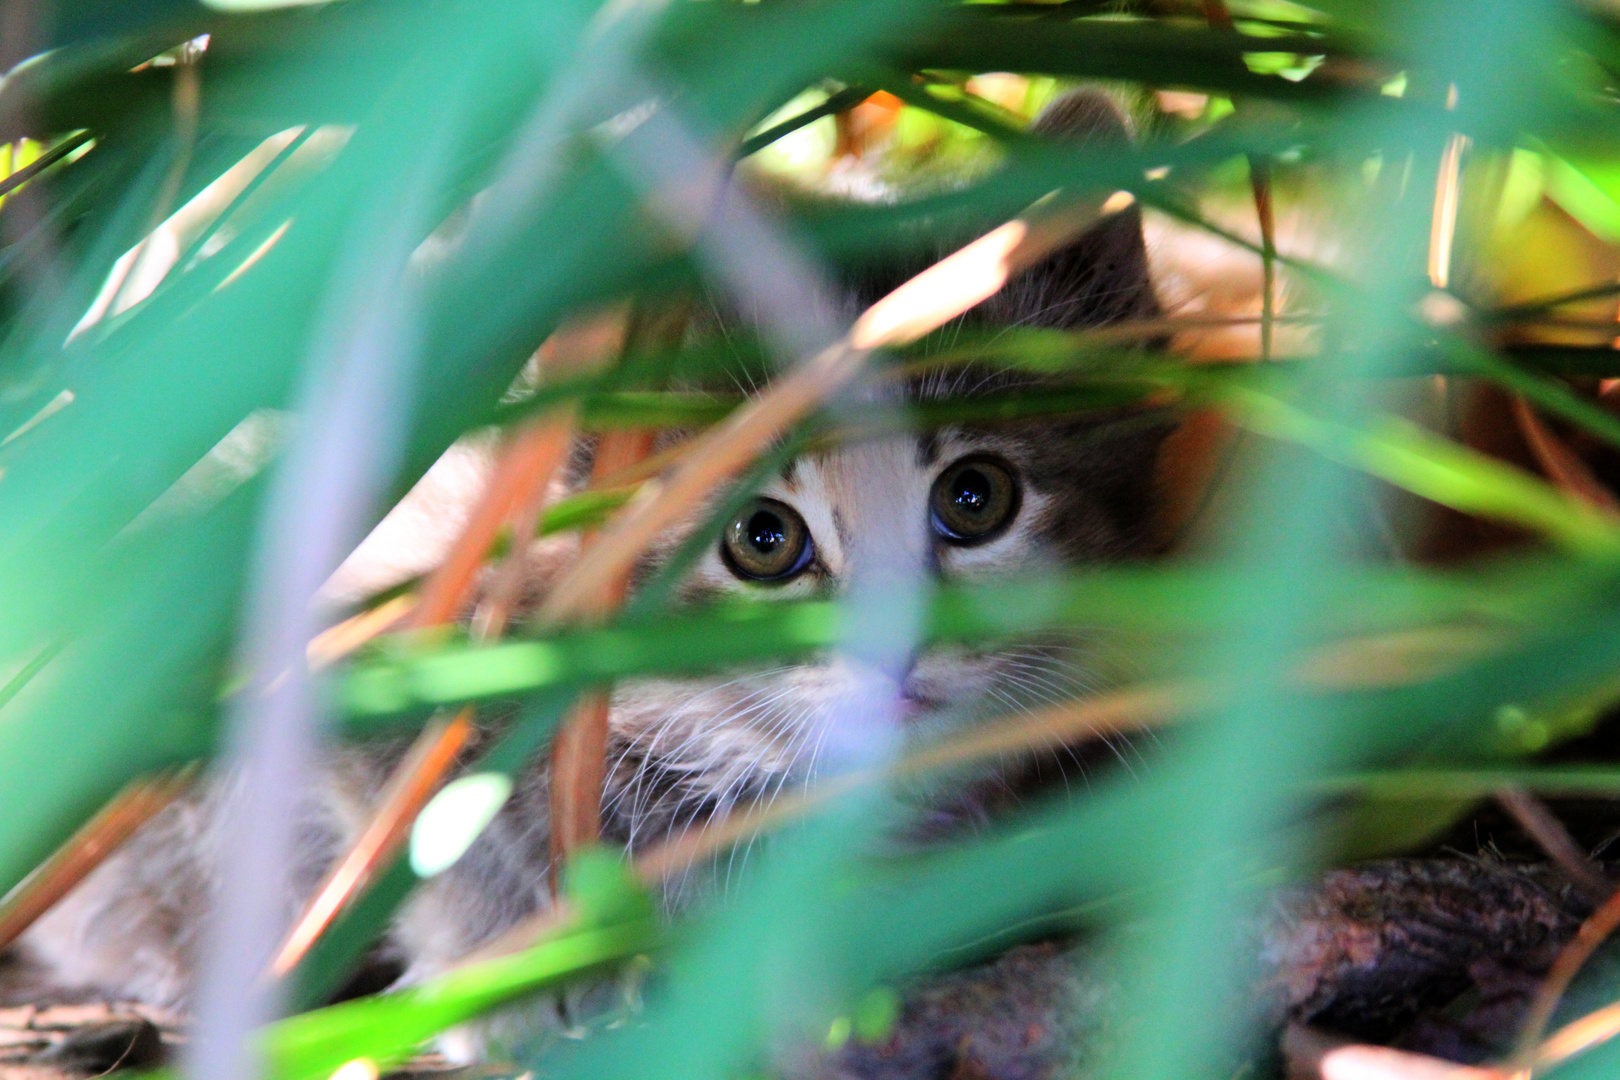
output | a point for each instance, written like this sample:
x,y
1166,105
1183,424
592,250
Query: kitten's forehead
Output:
x,y
874,476
853,469
856,498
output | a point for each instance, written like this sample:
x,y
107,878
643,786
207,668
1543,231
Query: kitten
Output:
x,y
957,504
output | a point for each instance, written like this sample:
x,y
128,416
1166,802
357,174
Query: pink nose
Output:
x,y
918,694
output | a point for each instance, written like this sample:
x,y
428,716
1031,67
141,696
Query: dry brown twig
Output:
x,y
408,790
522,477
1562,465
513,499
527,466
1576,1037
523,473
579,751
1593,932
1116,713
1531,1053
86,849
1326,670
1549,833
342,639
1260,181
1121,711
642,469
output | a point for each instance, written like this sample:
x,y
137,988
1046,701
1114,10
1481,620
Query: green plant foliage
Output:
x,y
179,243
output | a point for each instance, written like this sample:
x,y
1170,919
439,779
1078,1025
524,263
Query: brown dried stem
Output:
x,y
1113,713
1593,932
1561,464
1260,181
410,787
579,752
1549,833
86,849
341,639
1383,660
578,770
1577,1037
641,469
522,475
525,471
526,467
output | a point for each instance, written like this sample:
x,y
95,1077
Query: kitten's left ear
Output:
x,y
1101,277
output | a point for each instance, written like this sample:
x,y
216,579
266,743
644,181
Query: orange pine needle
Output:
x,y
1593,932
1562,465
523,474
341,639
1260,182
578,770
408,790
580,750
1315,1055
86,849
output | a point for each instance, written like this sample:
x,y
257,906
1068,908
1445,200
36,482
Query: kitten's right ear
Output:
x,y
1101,277
1086,116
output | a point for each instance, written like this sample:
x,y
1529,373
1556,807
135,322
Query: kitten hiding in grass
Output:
x,y
1379,951
956,504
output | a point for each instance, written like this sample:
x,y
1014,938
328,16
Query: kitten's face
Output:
x,y
958,505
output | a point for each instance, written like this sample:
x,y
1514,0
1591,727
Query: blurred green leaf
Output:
x,y
1438,469
389,1027
123,595
409,675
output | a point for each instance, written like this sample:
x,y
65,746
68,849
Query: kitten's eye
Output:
x,y
973,501
768,541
